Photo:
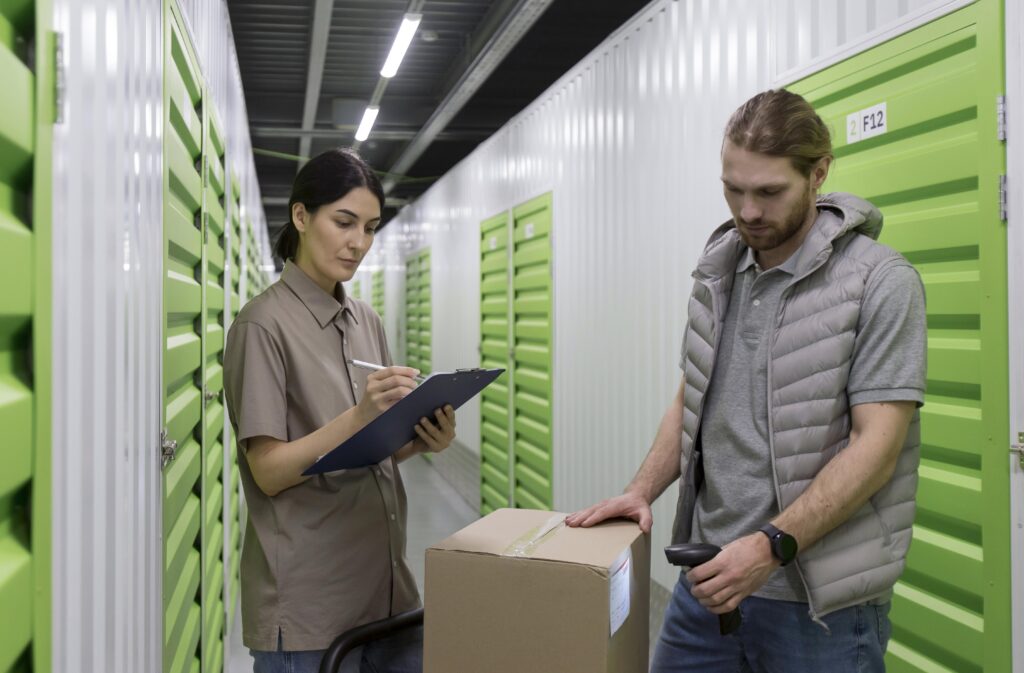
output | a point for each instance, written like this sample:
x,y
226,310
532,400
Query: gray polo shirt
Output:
x,y
737,496
329,553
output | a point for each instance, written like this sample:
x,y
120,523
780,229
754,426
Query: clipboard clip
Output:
x,y
469,369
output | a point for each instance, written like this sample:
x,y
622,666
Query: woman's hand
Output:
x,y
383,389
435,437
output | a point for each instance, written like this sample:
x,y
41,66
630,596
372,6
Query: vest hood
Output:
x,y
838,214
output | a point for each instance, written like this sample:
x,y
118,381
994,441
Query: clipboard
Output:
x,y
393,429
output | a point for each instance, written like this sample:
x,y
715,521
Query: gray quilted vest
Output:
x,y
808,413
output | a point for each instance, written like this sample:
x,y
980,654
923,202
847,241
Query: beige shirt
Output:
x,y
328,554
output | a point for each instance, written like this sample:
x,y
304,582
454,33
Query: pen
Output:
x,y
375,367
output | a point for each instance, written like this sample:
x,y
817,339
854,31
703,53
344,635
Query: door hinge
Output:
x,y
60,85
1004,206
1001,117
168,449
1018,448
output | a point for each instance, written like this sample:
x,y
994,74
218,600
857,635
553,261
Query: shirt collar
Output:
x,y
324,307
748,260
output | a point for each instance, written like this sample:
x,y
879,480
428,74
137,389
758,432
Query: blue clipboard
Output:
x,y
393,429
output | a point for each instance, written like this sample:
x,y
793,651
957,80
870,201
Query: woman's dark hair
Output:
x,y
324,179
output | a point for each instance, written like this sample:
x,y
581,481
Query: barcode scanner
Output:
x,y
693,555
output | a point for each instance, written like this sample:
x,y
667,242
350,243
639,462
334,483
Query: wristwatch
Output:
x,y
784,545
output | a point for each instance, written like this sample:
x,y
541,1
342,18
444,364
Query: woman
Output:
x,y
326,553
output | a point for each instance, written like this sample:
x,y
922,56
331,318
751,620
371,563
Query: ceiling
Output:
x,y
472,65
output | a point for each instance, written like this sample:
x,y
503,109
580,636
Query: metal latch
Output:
x,y
1004,202
210,396
168,449
1018,448
60,85
1001,117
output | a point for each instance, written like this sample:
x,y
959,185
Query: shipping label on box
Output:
x,y
619,590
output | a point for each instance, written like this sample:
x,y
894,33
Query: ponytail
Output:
x,y
287,242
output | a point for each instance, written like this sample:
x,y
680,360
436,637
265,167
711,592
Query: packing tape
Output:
x,y
526,543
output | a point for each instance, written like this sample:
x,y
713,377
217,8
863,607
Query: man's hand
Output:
x,y
740,569
659,469
436,437
628,505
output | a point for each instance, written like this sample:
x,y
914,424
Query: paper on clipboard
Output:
x,y
393,429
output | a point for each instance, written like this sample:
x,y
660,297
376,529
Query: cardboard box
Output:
x,y
520,592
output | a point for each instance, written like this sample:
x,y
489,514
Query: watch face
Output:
x,y
787,547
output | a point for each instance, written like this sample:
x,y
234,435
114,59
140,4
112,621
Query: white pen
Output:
x,y
376,368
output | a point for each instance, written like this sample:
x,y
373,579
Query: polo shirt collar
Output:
x,y
748,260
324,307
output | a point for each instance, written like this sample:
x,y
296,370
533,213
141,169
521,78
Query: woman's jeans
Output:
x,y
401,653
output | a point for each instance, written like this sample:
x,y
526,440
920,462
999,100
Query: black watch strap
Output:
x,y
783,545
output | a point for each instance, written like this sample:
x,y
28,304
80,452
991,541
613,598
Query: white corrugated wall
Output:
x,y
808,30
809,35
107,247
107,298
628,143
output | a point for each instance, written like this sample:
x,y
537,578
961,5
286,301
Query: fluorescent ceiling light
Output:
x,y
370,116
409,25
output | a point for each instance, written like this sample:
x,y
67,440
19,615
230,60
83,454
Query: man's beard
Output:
x,y
775,237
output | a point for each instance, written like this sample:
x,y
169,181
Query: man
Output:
x,y
803,367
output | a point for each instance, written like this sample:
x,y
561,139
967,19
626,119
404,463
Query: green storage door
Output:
x,y
495,346
253,262
425,310
24,352
183,355
417,311
236,248
213,386
237,528
249,269
412,316
377,298
935,174
531,332
231,472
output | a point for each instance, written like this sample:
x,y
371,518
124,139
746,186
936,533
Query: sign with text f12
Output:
x,y
866,123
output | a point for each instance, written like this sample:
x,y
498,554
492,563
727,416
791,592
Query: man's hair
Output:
x,y
781,123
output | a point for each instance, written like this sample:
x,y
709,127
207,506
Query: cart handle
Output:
x,y
360,635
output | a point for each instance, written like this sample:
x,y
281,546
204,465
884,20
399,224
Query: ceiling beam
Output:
x,y
319,34
346,131
518,17
282,201
414,7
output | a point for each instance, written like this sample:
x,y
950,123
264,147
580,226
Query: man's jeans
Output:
x,y
401,653
775,637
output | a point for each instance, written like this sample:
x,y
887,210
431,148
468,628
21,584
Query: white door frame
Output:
x,y
1014,17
